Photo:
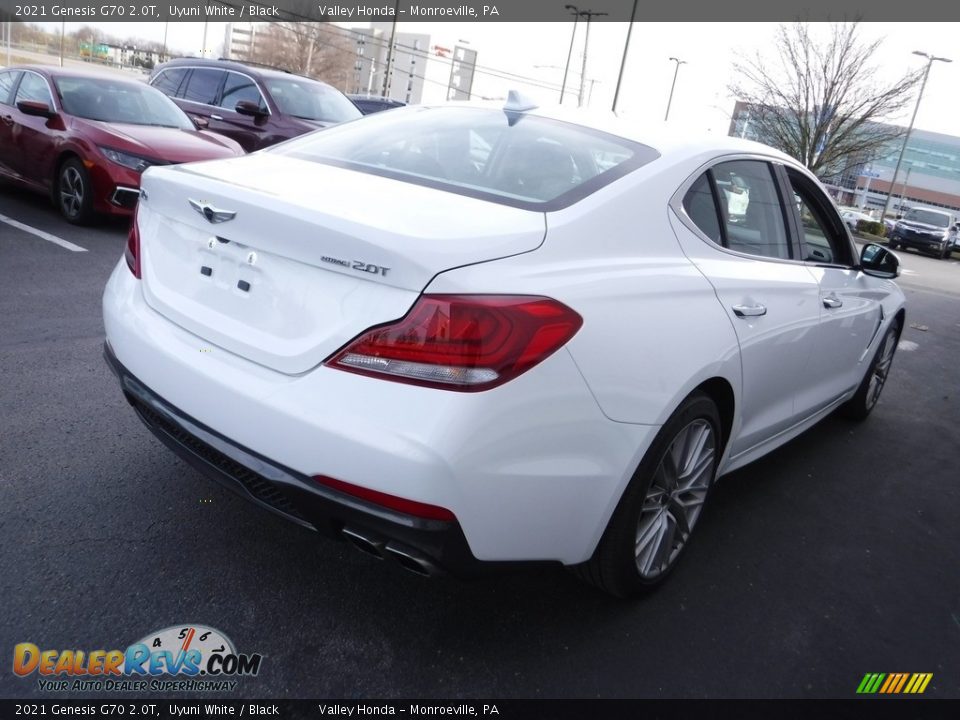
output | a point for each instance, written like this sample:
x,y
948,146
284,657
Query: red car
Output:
x,y
85,139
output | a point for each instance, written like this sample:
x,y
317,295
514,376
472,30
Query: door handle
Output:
x,y
749,310
216,117
8,119
832,301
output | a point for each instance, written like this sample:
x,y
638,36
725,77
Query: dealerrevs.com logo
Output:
x,y
178,658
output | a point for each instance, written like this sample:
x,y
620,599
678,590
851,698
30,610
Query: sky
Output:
x,y
701,100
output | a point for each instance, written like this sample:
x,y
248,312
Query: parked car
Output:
x,y
925,229
368,104
522,355
254,105
852,216
85,139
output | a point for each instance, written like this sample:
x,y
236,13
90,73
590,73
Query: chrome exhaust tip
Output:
x,y
363,543
412,560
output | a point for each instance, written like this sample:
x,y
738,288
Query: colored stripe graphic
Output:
x,y
894,683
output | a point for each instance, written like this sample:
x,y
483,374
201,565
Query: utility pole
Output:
x,y
393,38
63,30
588,14
673,85
623,62
906,138
575,11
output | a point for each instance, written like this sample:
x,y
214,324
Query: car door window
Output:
x,y
822,235
7,81
169,81
203,85
238,88
33,88
737,205
702,208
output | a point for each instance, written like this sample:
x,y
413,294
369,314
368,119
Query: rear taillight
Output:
x,y
132,253
407,507
462,342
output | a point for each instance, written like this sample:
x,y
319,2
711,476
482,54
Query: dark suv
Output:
x,y
253,105
925,229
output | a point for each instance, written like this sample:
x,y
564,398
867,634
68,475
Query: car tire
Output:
x,y
892,244
74,193
654,519
868,393
945,252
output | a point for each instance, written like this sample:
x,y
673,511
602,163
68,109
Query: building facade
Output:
x,y
929,174
411,52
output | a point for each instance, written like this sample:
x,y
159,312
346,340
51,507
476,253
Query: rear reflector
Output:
x,y
132,253
407,507
462,342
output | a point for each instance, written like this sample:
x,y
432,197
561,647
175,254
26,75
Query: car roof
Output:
x,y
248,68
53,71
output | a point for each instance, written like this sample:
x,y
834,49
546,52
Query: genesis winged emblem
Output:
x,y
211,213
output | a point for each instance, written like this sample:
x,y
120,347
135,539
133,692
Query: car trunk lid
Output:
x,y
305,256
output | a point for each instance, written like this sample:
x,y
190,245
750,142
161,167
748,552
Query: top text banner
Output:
x,y
470,11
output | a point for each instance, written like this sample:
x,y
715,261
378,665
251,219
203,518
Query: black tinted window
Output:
x,y
750,203
7,81
529,162
239,87
168,81
202,86
702,209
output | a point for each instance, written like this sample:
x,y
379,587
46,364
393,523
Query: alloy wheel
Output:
x,y
71,191
675,498
878,376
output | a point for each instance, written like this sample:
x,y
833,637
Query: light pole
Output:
x,y
623,62
676,70
906,139
575,11
388,72
586,44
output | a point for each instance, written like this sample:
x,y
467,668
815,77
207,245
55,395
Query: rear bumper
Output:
x,y
531,471
433,546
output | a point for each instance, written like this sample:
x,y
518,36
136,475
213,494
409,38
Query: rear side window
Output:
x,y
203,85
168,81
514,159
747,213
239,87
700,206
7,81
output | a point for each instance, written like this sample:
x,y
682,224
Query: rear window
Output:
x,y
513,159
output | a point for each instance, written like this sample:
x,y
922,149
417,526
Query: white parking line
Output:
x,y
41,234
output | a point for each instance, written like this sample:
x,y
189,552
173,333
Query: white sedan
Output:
x,y
467,335
851,216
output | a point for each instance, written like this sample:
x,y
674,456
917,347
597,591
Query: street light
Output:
x,y
906,139
576,16
586,44
676,70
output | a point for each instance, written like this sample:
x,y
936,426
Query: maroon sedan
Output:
x,y
85,139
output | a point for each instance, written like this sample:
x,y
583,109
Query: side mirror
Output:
x,y
877,261
245,107
201,123
35,108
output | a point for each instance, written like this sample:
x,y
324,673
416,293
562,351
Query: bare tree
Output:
x,y
821,100
316,49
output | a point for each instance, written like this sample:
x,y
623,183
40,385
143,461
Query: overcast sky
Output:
x,y
700,101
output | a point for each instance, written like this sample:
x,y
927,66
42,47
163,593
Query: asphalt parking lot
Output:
x,y
835,556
